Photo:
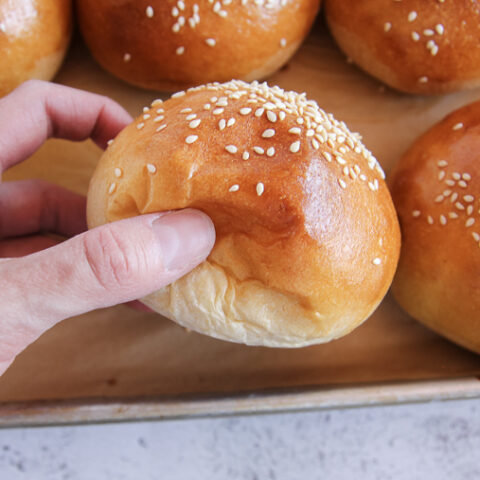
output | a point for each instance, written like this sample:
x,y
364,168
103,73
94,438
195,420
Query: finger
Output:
x,y
111,264
31,206
19,247
39,110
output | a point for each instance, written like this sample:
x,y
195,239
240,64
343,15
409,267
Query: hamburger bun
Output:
x,y
34,37
436,189
416,46
307,236
172,44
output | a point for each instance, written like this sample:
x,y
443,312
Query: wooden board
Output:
x,y
117,363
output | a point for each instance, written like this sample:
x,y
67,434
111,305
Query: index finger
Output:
x,y
38,110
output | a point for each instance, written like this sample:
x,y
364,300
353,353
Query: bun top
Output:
x,y
436,189
34,37
172,44
299,204
417,46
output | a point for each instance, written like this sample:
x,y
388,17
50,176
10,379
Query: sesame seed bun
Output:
x,y
416,46
307,236
34,37
436,189
173,44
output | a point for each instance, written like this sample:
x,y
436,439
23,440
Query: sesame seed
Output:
x,y
181,21
423,79
181,4
415,36
222,124
194,123
440,29
218,111
161,127
259,150
180,50
476,236
211,42
158,119
459,206
466,176
110,142
260,188
245,111
428,32
234,188
452,215
446,193
462,184
282,115
283,42
430,220
178,94
295,146
127,57
441,175
295,130
469,209
231,121
157,101
270,152
442,163
443,219
231,149
207,106
268,133
259,112
272,116
191,116
112,188
175,12
245,155
342,183
315,144
377,261
457,126
160,110
412,16
469,198
439,199
186,110
140,126
149,11
450,183
454,197
151,168
470,221
191,138
416,213
387,26
118,172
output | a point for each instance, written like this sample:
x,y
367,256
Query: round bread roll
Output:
x,y
34,36
307,235
436,189
173,44
416,46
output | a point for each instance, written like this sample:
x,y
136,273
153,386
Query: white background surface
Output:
x,y
437,441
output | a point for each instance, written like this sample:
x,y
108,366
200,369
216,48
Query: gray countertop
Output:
x,y
426,441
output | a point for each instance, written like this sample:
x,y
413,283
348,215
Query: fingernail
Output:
x,y
186,238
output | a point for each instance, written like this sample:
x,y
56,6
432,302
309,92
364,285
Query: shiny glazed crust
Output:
x,y
416,46
436,189
307,236
174,44
34,37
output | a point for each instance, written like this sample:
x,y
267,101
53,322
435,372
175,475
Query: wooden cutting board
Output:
x,y
122,354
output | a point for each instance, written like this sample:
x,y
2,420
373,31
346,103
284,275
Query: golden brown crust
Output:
x,y
34,37
416,46
247,39
436,189
299,206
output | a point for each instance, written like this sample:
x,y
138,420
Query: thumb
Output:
x,y
111,264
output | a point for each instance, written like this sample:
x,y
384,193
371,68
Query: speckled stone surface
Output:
x,y
429,441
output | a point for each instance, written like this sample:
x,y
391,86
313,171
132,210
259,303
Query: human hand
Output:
x,y
42,282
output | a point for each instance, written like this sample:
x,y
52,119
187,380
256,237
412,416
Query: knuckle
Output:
x,y
113,261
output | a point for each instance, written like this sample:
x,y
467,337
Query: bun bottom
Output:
x,y
211,302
